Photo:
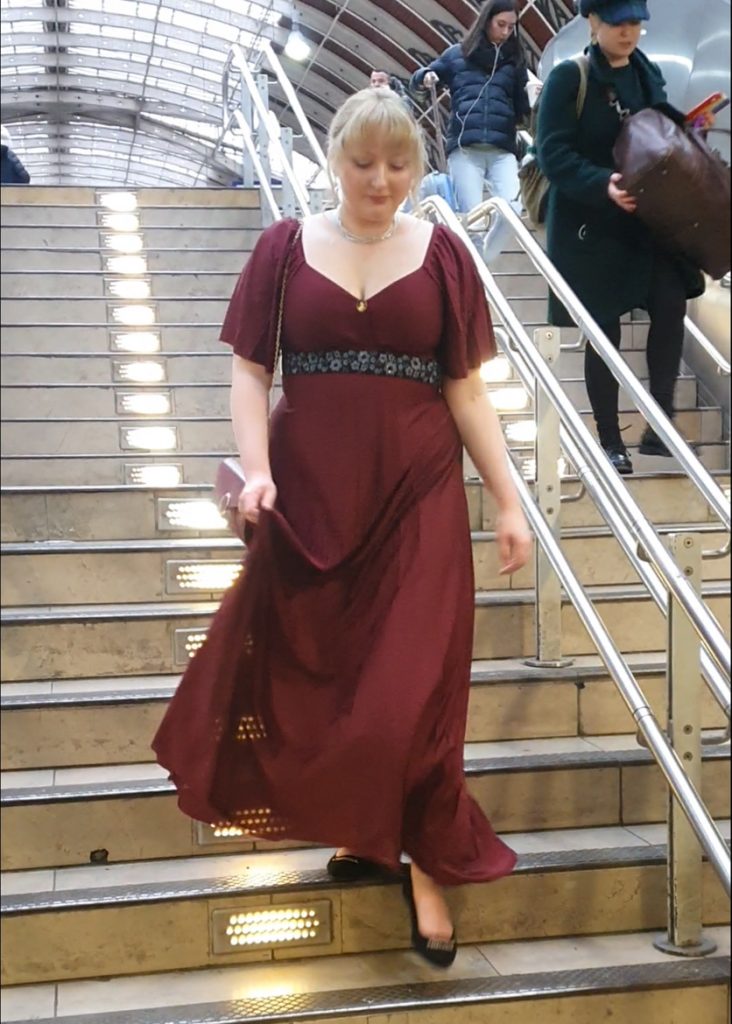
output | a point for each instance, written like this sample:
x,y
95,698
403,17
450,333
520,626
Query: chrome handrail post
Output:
x,y
548,588
262,132
247,174
289,204
684,687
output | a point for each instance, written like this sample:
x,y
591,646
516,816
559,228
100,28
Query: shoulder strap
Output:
x,y
583,63
281,308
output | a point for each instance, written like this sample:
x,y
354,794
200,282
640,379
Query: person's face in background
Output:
x,y
617,42
501,27
379,80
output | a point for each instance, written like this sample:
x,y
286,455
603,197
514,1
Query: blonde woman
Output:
x,y
330,699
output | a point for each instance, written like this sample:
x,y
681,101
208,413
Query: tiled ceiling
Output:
x,y
129,91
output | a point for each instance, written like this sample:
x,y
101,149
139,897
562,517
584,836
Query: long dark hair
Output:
x,y
477,35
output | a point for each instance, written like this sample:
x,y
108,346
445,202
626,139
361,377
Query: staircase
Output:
x,y
116,907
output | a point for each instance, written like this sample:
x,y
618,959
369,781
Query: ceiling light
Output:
x,y
297,47
134,316
133,265
121,202
123,243
129,289
139,342
154,475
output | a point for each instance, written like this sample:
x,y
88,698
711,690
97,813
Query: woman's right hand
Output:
x,y
619,196
258,493
431,79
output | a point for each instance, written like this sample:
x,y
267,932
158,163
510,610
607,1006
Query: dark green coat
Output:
x,y
604,254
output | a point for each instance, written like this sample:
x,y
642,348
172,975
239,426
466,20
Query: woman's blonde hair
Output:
x,y
377,112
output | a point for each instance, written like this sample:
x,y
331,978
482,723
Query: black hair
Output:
x,y
477,34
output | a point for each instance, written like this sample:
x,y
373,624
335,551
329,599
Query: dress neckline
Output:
x,y
386,287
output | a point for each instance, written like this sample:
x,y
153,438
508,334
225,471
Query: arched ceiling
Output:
x,y
129,91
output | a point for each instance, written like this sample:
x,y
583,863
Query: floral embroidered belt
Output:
x,y
376,364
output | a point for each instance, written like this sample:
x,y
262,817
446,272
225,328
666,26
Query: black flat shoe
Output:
x,y
651,444
619,458
349,868
438,952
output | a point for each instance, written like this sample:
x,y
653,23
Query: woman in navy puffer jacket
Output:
x,y
487,77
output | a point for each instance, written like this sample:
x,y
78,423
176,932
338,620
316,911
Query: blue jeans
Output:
x,y
471,168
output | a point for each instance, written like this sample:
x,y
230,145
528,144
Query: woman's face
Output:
x,y
376,177
501,27
617,42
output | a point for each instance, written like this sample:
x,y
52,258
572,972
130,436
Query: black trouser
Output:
x,y
666,310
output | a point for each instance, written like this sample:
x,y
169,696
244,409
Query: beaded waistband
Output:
x,y
376,364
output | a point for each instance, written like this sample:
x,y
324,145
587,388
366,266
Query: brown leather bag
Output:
x,y
682,188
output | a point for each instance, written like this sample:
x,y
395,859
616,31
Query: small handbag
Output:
x,y
230,479
681,186
533,183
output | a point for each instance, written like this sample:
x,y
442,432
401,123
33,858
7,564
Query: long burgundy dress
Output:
x,y
329,701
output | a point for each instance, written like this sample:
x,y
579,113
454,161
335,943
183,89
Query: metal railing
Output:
x,y
667,583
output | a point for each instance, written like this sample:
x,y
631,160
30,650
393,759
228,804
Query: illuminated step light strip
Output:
x,y
128,244
139,343
121,223
151,439
272,926
131,265
207,576
143,371
496,371
219,835
124,288
145,403
509,399
187,514
154,475
119,202
185,644
137,315
521,432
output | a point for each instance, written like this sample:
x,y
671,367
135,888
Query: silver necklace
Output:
x,y
365,239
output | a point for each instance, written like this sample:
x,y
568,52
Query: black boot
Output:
x,y
651,444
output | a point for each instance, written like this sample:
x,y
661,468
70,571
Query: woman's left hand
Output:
x,y
514,540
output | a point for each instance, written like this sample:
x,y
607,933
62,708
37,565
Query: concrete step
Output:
x,y
43,285
101,310
123,572
78,195
62,817
127,513
202,399
95,436
112,470
24,343
70,723
53,921
581,978
50,237
175,367
76,258
66,641
149,216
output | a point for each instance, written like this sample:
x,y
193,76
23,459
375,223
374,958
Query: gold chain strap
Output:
x,y
281,311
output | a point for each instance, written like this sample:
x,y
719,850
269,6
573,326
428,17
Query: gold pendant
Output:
x,y
362,306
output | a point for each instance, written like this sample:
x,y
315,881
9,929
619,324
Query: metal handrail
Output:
x,y
657,419
723,367
710,633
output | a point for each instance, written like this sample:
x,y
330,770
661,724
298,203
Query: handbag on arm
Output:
x,y
230,479
681,186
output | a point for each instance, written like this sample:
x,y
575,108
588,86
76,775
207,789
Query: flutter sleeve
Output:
x,y
467,334
250,324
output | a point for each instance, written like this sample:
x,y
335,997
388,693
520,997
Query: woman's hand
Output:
x,y
430,79
514,540
621,198
259,493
